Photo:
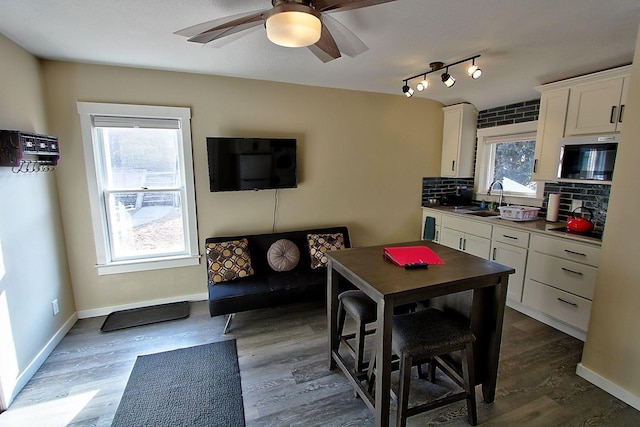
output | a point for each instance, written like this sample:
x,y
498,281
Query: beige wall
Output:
x,y
612,349
361,160
33,263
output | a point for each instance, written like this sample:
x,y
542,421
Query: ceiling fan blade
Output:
x,y
211,30
326,48
347,41
331,5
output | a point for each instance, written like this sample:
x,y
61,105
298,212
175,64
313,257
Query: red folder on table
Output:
x,y
404,255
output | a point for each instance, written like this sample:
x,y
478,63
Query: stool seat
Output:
x,y
428,332
358,305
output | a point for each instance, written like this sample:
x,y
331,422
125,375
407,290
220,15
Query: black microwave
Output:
x,y
587,158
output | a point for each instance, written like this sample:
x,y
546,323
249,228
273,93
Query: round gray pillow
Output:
x,y
283,255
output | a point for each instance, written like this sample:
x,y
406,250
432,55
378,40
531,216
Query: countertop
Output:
x,y
541,225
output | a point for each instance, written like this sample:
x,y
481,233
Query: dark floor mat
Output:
x,y
145,315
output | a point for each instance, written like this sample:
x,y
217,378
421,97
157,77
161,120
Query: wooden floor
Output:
x,y
285,381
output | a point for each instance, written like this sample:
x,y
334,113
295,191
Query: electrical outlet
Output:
x,y
56,308
575,204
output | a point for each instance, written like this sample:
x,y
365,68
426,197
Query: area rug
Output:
x,y
193,386
145,315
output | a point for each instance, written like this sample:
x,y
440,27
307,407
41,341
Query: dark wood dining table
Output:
x,y
471,286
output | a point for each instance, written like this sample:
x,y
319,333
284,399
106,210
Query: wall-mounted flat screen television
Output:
x,y
251,163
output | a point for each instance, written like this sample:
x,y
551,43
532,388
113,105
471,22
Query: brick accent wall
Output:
x,y
593,196
437,186
526,111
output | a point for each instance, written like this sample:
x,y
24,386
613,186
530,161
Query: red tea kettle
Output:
x,y
580,224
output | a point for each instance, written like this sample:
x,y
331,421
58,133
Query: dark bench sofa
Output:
x,y
267,287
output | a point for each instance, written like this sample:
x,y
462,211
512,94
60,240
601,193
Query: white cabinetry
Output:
x,y
588,104
509,247
469,236
458,140
551,123
560,280
437,216
596,107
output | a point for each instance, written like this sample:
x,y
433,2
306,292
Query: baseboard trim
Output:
x,y
37,361
606,385
103,311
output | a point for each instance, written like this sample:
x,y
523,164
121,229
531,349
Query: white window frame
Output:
x,y
87,110
484,161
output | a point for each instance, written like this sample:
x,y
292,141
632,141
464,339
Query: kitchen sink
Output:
x,y
485,214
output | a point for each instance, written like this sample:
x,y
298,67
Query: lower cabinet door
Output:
x,y
477,246
564,306
513,257
451,238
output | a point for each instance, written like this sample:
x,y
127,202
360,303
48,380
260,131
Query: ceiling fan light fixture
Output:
x,y
293,25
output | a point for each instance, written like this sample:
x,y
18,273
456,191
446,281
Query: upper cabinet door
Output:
x,y
458,140
551,123
595,107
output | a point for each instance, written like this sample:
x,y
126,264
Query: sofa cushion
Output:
x,y
320,244
228,260
283,255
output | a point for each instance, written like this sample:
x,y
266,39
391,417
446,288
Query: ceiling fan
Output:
x,y
292,23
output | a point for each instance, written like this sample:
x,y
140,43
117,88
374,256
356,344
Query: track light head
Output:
x,y
407,90
447,79
473,71
423,84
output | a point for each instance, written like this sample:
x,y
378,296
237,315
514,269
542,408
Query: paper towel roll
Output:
x,y
553,206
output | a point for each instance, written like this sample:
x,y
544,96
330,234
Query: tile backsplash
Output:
x,y
437,186
593,196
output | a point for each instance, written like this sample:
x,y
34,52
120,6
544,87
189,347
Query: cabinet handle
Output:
x,y
494,253
621,113
574,253
460,244
453,166
509,237
464,245
535,166
573,304
572,271
612,119
437,239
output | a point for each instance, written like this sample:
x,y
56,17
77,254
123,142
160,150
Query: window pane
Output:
x,y
145,224
514,166
136,157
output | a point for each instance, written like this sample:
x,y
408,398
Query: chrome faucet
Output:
x,y
495,181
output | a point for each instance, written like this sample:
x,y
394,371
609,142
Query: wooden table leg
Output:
x,y
332,312
499,300
383,362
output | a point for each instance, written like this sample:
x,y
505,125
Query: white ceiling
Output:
x,y
523,43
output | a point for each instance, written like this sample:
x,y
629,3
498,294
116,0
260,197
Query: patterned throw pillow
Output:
x,y
320,244
283,255
228,260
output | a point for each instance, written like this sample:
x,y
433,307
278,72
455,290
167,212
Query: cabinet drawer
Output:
x,y
569,276
511,236
466,226
563,306
578,252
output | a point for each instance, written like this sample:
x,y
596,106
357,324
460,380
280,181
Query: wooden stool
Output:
x,y
425,336
363,310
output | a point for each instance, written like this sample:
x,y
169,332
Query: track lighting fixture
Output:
x,y
447,79
424,83
473,71
407,90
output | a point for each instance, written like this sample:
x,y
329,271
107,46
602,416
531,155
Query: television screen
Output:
x,y
251,163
